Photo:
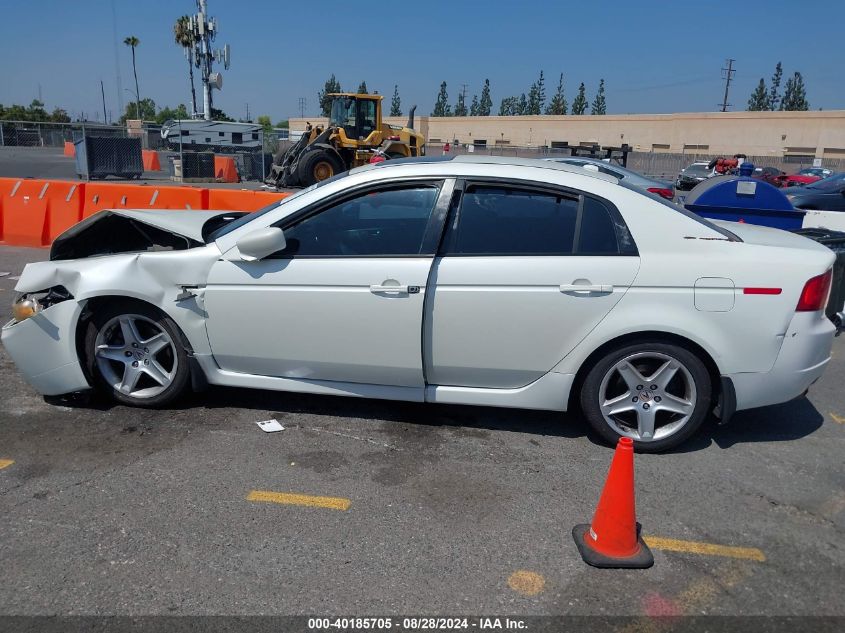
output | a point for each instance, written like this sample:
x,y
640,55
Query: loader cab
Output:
x,y
358,115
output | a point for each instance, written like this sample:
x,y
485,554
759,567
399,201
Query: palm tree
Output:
x,y
132,42
184,37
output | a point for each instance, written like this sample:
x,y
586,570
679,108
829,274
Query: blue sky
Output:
x,y
654,56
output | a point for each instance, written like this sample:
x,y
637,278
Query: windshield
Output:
x,y
249,217
343,112
697,170
836,182
683,211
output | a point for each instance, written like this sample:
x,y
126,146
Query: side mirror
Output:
x,y
261,243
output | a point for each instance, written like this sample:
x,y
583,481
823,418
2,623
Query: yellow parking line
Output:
x,y
6,462
837,418
333,503
708,549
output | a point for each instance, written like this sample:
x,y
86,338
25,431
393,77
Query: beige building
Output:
x,y
819,134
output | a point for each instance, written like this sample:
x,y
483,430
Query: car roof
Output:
x,y
484,159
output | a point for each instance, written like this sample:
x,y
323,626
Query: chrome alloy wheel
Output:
x,y
135,356
647,396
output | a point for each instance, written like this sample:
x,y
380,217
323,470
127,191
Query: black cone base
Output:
x,y
643,559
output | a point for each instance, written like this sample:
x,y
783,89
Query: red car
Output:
x,y
771,175
805,177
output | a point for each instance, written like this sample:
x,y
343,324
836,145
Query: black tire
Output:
x,y
149,317
591,398
317,165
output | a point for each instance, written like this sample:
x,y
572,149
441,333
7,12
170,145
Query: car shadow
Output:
x,y
789,421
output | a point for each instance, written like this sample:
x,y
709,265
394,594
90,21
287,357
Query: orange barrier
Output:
x,y
35,212
25,213
225,169
64,208
150,160
70,149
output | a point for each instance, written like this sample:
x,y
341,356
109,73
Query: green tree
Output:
x,y
536,96
485,104
266,124
599,105
219,115
146,113
795,94
395,102
473,107
362,88
579,105
167,113
522,105
558,103
759,100
184,37
461,105
59,115
441,106
774,91
285,124
331,86
133,42
506,107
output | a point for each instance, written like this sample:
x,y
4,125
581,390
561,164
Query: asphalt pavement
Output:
x,y
431,509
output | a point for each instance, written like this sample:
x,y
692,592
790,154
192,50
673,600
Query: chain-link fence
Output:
x,y
192,144
663,165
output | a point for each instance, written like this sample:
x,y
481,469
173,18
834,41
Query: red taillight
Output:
x,y
815,293
393,138
662,192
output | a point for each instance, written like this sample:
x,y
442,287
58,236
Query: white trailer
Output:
x,y
201,134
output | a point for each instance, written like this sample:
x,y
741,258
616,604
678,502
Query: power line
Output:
x,y
727,75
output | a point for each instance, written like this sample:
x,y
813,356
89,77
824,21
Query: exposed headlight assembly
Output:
x,y
31,303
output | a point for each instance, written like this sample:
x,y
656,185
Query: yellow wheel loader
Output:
x,y
355,134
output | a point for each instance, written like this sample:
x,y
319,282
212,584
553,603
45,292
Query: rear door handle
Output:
x,y
380,289
585,288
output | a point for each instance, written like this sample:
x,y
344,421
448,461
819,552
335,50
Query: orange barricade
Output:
x,y
150,160
193,198
70,149
25,213
64,208
225,169
35,212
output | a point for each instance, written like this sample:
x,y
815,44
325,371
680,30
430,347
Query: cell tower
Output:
x,y
205,30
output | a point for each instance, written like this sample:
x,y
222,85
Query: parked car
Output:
x,y
771,175
825,195
694,174
472,280
662,188
806,176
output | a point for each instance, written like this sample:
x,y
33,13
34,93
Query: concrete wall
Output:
x,y
815,133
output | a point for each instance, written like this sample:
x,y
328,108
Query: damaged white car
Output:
x,y
475,280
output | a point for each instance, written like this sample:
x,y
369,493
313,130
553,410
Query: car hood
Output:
x,y
115,231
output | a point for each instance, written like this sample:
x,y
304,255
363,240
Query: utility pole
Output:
x,y
247,113
103,92
302,107
205,29
727,75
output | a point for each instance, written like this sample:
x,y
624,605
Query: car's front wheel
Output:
x,y
136,354
658,394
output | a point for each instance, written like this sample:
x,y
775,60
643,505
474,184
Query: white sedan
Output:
x,y
470,280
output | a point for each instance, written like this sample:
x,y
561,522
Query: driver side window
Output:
x,y
390,222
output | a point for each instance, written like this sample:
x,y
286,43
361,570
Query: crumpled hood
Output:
x,y
115,231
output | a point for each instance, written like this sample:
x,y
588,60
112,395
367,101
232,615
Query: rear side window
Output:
x,y
507,221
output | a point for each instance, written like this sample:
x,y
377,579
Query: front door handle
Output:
x,y
381,289
585,288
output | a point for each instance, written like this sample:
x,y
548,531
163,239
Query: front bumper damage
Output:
x,y
44,349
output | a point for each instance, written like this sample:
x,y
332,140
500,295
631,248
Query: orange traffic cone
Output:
x,y
613,539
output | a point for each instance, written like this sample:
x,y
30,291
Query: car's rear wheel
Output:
x,y
658,394
136,355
